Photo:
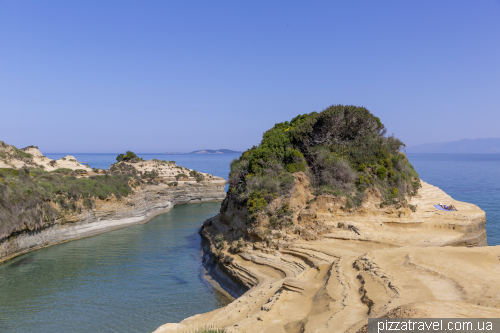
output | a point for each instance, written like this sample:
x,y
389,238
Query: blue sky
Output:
x,y
156,76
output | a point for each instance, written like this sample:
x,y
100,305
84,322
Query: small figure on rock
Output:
x,y
450,207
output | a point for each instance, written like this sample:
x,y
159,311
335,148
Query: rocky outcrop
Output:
x,y
334,267
111,214
161,191
31,157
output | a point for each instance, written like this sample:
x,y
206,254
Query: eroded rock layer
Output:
x,y
163,185
335,267
111,214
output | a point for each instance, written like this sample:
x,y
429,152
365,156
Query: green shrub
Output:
x,y
7,171
294,160
128,156
381,172
64,171
332,169
121,168
88,202
150,175
199,176
256,202
219,241
80,172
342,149
181,176
361,167
285,208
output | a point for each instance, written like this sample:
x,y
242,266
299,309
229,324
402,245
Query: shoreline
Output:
x,y
112,215
215,274
298,287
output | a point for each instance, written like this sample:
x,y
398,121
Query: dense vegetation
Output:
x,y
30,198
343,150
128,157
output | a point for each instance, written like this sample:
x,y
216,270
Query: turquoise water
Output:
x,y
471,178
130,280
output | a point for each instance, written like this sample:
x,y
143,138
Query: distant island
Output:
x,y
464,146
209,151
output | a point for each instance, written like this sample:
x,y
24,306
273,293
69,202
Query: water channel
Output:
x,y
130,280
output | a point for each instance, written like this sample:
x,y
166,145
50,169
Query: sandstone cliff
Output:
x,y
155,188
111,214
31,157
334,267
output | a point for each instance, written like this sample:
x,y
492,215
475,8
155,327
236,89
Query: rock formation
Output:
x,y
335,267
31,157
157,188
326,224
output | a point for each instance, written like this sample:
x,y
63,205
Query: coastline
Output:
x,y
215,273
112,214
297,288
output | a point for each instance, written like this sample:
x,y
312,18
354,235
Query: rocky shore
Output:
x,y
335,267
113,214
163,190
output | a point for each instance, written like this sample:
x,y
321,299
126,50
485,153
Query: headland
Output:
x,y
46,202
326,224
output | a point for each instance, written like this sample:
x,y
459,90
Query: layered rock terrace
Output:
x,y
336,267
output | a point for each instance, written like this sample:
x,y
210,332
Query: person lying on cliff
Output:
x,y
450,207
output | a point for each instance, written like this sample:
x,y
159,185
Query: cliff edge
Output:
x,y
355,266
326,224
43,203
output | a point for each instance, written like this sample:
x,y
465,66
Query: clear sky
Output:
x,y
156,76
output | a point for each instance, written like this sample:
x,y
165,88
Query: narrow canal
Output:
x,y
130,280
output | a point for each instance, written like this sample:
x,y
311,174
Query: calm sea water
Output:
x,y
138,278
471,178
130,280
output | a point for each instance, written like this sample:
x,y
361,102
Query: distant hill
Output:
x,y
218,151
464,146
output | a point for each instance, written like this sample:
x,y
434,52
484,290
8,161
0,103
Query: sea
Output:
x,y
140,277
